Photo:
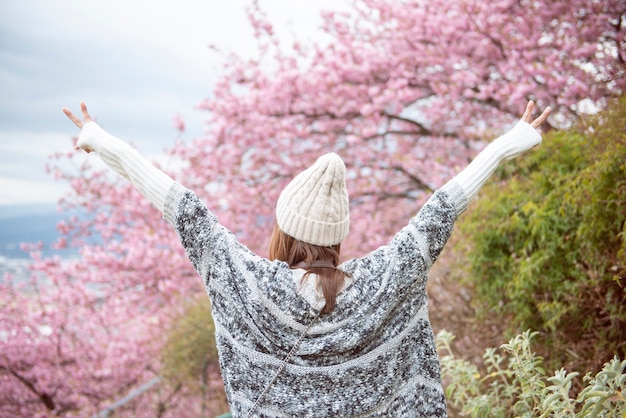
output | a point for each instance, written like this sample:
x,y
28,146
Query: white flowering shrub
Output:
x,y
516,385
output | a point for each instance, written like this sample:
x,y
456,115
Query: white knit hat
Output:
x,y
314,207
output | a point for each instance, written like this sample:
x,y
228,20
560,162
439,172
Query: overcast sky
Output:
x,y
136,63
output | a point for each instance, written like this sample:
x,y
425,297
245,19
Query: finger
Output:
x,y
87,150
86,116
527,116
542,118
72,117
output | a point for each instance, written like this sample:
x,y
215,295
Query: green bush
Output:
x,y
189,354
548,242
516,385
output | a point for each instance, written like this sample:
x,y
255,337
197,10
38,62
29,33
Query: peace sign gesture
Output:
x,y
527,116
78,122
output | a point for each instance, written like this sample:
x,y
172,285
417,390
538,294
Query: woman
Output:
x,y
299,335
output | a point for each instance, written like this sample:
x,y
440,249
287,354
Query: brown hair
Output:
x,y
300,254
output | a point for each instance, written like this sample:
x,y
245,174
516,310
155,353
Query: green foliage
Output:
x,y
190,349
549,240
515,384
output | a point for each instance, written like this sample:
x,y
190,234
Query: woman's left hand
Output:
x,y
78,122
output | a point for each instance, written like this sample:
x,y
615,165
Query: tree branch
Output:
x,y
43,397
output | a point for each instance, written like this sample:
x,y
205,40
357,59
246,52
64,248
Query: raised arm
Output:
x,y
521,138
406,260
121,157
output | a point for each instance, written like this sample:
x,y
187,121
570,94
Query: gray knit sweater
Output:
x,y
374,355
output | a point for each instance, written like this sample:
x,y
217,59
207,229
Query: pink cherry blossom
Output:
x,y
179,123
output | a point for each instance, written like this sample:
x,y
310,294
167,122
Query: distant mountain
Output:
x,y
12,211
20,224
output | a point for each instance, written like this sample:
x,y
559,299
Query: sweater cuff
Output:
x,y
172,199
91,136
456,196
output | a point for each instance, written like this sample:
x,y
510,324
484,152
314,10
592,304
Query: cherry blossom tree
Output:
x,y
405,90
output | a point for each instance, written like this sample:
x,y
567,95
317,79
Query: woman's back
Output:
x,y
373,355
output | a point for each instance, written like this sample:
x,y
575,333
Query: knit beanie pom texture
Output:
x,y
314,206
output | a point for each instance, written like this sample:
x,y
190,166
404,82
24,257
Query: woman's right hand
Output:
x,y
79,123
527,116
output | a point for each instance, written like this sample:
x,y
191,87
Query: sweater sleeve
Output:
x,y
404,263
239,282
125,160
397,273
513,143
